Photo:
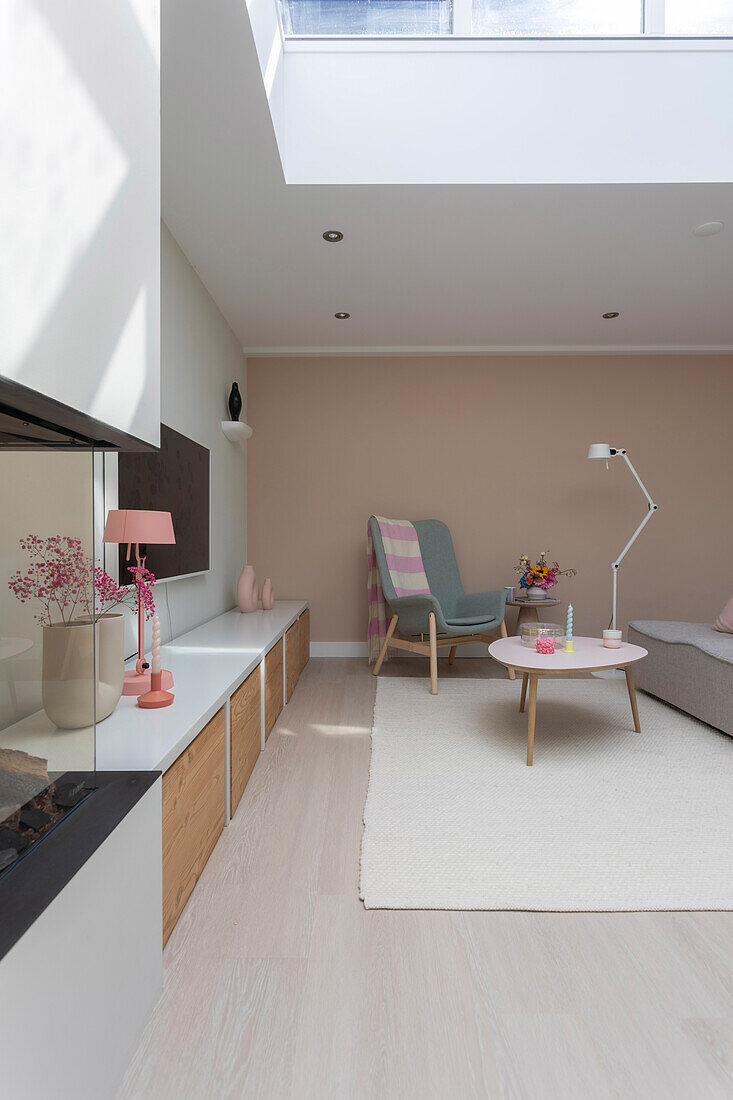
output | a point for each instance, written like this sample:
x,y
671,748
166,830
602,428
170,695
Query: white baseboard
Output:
x,y
359,649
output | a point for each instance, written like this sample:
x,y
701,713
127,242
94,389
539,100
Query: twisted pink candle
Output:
x,y
156,645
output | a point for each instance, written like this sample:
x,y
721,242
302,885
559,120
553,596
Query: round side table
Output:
x,y
529,610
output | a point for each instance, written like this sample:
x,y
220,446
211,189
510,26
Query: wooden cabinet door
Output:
x,y
273,686
245,735
193,816
305,638
292,659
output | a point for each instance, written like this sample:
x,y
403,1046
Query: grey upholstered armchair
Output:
x,y
448,616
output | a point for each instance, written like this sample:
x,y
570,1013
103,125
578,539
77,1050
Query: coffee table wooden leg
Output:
x,y
632,697
532,714
525,678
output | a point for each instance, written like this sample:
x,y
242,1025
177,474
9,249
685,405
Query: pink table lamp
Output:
x,y
138,527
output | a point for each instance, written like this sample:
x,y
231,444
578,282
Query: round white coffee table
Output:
x,y
589,655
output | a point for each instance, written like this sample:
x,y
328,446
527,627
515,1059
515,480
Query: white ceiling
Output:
x,y
473,268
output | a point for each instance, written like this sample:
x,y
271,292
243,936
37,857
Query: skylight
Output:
x,y
506,18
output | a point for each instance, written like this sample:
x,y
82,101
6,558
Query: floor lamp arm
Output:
x,y
639,481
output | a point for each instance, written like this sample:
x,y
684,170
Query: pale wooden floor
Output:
x,y
279,984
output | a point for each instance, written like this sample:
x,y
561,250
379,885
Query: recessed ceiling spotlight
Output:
x,y
610,316
708,229
333,236
342,316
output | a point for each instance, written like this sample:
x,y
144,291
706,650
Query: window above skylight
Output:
x,y
506,18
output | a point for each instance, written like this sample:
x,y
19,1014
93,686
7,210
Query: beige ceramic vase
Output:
x,y
247,591
268,595
70,654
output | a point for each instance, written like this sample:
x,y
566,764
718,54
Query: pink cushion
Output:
x,y
724,621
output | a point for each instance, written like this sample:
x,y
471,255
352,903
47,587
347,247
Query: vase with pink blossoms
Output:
x,y
79,607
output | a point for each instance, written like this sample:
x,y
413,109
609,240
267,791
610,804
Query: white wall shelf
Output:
x,y
236,430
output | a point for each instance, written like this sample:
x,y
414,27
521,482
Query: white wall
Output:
x,y
477,112
80,209
101,937
200,358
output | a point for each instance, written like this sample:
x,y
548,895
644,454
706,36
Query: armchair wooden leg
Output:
x,y
452,654
385,643
512,673
433,655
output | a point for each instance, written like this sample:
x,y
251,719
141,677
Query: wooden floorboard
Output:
x,y
279,984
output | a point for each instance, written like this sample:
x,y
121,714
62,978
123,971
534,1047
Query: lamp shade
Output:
x,y
127,525
599,450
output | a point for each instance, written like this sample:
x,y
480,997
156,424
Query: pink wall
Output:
x,y
496,448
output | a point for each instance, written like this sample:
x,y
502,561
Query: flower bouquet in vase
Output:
x,y
537,580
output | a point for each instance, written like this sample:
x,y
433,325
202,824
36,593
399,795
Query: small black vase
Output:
x,y
235,402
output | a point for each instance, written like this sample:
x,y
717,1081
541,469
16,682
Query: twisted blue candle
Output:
x,y
569,627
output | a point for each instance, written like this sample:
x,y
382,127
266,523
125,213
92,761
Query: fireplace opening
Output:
x,y
52,835
39,815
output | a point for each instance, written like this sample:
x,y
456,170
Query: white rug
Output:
x,y
607,819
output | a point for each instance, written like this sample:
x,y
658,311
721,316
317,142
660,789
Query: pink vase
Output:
x,y
268,596
247,590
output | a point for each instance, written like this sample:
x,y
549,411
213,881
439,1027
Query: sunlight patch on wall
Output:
x,y
123,383
147,14
276,50
265,23
61,169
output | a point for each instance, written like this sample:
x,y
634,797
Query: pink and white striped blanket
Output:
x,y
405,564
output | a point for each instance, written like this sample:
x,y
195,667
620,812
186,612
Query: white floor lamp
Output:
x,y
602,450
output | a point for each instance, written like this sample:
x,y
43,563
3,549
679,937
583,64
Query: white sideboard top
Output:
x,y
237,633
208,664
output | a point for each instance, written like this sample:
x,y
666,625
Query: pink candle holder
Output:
x,y
156,697
545,645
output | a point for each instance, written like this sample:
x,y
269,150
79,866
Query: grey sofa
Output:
x,y
690,665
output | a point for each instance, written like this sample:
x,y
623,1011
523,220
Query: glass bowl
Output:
x,y
530,632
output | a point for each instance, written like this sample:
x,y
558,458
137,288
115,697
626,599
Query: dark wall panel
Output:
x,y
174,479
